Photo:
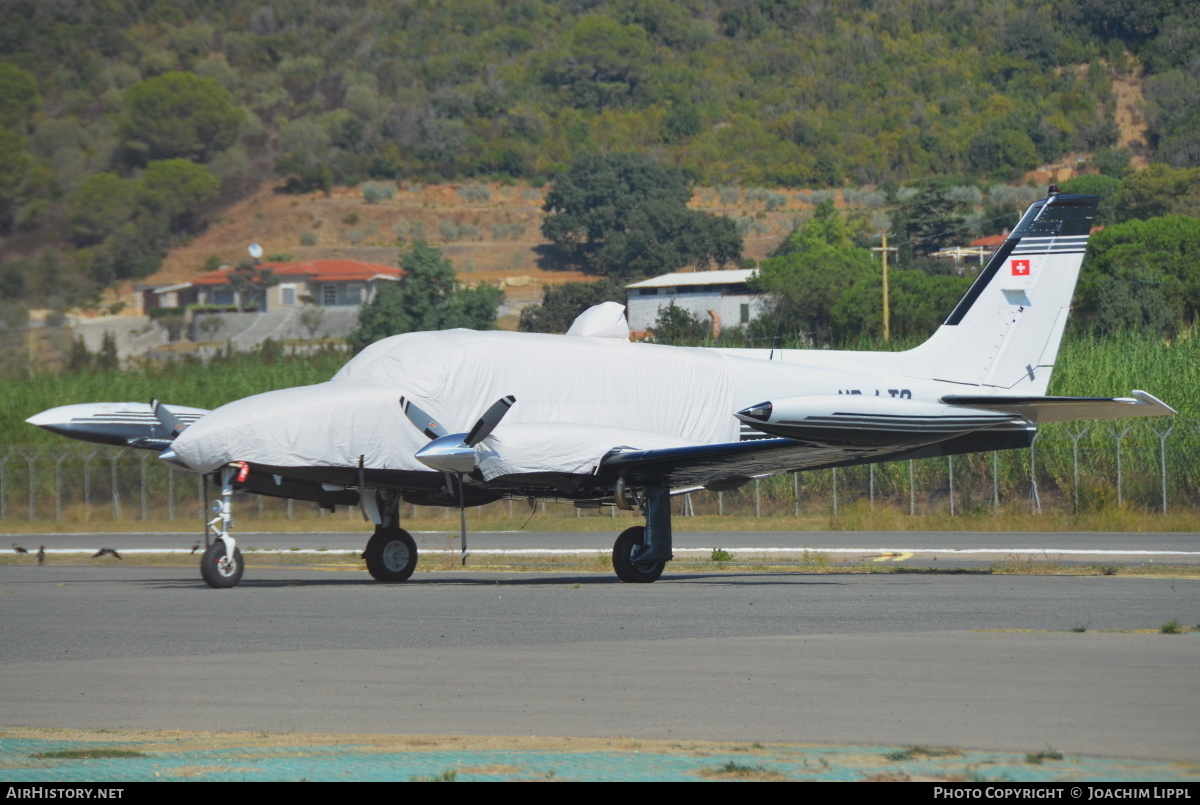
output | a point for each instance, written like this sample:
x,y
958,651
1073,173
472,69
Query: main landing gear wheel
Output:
x,y
626,568
391,554
216,568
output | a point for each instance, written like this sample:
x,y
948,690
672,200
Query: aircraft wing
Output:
x,y
824,439
727,466
1063,409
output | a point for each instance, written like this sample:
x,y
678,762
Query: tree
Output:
x,y
562,304
427,297
103,203
209,325
919,303
180,114
1172,99
1002,150
625,215
925,222
107,358
18,97
79,359
177,189
15,166
820,266
311,319
1141,275
248,276
678,326
1156,191
604,62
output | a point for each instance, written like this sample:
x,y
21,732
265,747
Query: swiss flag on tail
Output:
x,y
1020,268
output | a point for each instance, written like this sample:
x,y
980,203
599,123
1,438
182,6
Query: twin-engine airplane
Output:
x,y
462,418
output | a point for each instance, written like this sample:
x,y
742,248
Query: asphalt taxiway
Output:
x,y
975,661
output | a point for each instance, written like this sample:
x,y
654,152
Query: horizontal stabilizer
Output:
x,y
1063,409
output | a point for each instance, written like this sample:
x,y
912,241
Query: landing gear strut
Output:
x,y
222,566
641,553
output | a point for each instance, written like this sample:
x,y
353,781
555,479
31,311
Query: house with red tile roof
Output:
x,y
327,283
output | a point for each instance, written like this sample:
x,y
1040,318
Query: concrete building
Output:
x,y
327,283
722,296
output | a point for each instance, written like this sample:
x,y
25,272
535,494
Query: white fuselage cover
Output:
x,y
687,395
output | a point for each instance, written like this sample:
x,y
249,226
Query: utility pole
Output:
x,y
887,318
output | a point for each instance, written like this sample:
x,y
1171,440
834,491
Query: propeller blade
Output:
x,y
490,419
425,423
167,419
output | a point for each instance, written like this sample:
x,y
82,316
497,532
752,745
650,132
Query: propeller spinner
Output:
x,y
454,452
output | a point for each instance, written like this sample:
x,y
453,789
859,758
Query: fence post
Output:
x,y
720,504
142,470
1075,437
1119,438
912,491
871,471
835,491
30,459
113,457
996,481
950,464
58,462
87,484
796,491
4,487
1162,453
1035,501
757,497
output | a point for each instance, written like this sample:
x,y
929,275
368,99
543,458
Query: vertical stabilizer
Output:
x,y
1005,332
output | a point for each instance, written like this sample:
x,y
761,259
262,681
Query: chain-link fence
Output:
x,y
1150,465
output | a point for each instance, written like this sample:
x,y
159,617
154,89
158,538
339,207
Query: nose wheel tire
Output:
x,y
627,569
391,554
217,570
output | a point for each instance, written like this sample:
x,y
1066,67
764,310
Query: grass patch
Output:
x,y
921,753
88,754
558,517
1041,756
732,770
1172,626
720,555
447,776
1029,566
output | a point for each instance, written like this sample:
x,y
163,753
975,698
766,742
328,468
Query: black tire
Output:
x,y
628,570
217,570
391,554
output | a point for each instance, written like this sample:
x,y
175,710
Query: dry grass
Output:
x,y
804,562
561,517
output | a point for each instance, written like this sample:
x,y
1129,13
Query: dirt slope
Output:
x,y
489,232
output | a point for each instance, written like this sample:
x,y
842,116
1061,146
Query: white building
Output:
x,y
722,295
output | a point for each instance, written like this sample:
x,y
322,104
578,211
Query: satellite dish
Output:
x,y
256,251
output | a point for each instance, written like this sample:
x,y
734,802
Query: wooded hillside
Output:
x,y
126,126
